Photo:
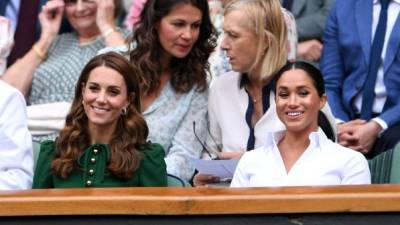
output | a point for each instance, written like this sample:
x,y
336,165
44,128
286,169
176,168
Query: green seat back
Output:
x,y
36,150
395,168
174,181
385,167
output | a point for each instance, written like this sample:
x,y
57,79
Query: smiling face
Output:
x,y
298,102
104,97
240,42
82,16
179,30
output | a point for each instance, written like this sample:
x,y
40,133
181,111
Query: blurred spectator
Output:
x,y
49,71
6,42
361,64
16,157
310,18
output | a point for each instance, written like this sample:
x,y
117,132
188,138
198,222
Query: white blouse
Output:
x,y
323,163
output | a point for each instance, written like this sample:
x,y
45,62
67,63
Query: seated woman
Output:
x,y
49,71
104,141
173,42
302,154
241,106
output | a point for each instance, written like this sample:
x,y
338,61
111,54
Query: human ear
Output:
x,y
323,100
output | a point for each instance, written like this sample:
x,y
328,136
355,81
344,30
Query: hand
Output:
x,y
309,50
105,15
204,179
346,130
364,136
6,37
230,155
6,42
50,20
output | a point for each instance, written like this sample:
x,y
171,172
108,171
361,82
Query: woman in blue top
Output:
x,y
103,143
174,39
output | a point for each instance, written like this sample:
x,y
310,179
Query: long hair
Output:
x,y
131,131
265,19
184,73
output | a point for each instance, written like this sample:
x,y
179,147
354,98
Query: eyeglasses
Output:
x,y
203,144
73,2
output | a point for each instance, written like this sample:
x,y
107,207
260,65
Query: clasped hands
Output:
x,y
358,134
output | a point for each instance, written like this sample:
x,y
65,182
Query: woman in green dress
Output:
x,y
103,143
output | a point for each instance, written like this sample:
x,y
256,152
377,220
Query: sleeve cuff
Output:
x,y
381,123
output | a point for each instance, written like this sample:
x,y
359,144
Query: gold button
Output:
x,y
89,183
93,160
95,151
91,172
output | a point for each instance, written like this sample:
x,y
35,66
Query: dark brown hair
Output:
x,y
185,73
130,134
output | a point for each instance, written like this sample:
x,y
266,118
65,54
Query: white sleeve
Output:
x,y
214,134
16,156
240,177
357,171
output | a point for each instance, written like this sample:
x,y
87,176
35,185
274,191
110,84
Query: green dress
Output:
x,y
93,169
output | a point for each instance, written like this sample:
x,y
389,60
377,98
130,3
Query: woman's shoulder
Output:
x,y
152,150
48,145
343,152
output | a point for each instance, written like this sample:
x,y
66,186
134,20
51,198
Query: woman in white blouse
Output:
x,y
241,106
302,154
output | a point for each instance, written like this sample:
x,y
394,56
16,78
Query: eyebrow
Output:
x,y
297,87
110,86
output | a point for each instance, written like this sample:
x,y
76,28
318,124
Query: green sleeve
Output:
x,y
43,177
153,170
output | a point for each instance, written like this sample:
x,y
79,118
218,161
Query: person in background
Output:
x,y
6,42
310,18
219,63
361,64
49,71
104,141
133,14
16,157
172,44
302,154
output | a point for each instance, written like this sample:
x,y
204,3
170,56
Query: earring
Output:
x,y
83,102
124,111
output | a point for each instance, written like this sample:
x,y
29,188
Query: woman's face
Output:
x,y
179,30
104,96
82,15
297,101
240,43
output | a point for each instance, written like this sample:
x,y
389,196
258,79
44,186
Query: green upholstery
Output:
x,y
174,181
385,167
36,150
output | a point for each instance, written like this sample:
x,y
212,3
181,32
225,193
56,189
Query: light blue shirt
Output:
x,y
171,120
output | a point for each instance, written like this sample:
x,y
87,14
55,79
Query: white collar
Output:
x,y
317,139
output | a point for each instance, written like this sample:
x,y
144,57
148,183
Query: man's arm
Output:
x,y
332,67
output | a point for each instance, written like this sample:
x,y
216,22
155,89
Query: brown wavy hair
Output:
x,y
130,134
185,73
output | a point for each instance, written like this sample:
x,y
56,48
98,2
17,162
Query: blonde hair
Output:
x,y
266,20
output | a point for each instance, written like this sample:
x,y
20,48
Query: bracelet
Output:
x,y
42,55
108,32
